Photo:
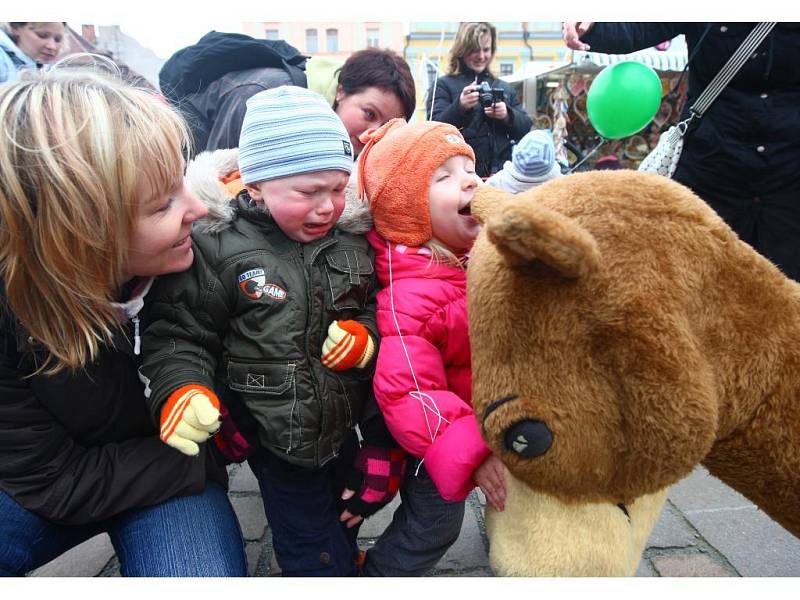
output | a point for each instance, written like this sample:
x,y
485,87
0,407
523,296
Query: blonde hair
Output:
x,y
468,39
442,255
76,149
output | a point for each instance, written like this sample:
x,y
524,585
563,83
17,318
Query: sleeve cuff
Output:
x,y
453,457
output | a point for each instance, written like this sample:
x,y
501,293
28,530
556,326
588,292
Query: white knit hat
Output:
x,y
290,130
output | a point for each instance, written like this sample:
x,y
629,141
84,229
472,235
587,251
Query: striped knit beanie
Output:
x,y
290,130
395,169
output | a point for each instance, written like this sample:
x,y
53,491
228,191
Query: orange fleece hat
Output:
x,y
395,169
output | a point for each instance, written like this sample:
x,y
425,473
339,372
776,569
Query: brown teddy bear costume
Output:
x,y
621,335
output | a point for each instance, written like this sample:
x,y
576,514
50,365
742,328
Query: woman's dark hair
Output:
x,y
373,67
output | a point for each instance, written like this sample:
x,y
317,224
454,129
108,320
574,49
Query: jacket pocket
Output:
x,y
349,275
269,392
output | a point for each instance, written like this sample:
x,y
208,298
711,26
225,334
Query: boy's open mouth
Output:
x,y
466,211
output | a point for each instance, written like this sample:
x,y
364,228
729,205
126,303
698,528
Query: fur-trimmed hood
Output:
x,y
203,177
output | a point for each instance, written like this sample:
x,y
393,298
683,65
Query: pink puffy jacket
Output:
x,y
430,311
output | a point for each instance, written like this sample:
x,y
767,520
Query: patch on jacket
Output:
x,y
253,284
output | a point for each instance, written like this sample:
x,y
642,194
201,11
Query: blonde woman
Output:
x,y
28,46
491,122
92,208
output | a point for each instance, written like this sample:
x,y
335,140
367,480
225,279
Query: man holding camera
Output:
x,y
485,109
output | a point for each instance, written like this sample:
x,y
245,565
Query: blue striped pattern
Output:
x,y
535,154
290,130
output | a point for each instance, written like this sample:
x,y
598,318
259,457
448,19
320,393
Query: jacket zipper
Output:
x,y
137,341
309,282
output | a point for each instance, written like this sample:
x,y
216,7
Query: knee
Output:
x,y
15,561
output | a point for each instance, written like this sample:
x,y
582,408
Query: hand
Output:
x,y
498,111
348,345
469,97
348,518
189,417
491,478
572,31
373,481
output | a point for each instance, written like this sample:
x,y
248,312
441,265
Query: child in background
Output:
x,y
533,162
278,308
419,180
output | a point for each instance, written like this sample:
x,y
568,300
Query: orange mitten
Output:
x,y
348,345
190,416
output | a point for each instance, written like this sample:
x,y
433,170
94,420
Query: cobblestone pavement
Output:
x,y
706,530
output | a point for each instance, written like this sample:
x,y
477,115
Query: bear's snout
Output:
x,y
529,438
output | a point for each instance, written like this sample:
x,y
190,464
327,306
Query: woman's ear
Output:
x,y
339,93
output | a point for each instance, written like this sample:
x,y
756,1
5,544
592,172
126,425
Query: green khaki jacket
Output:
x,y
249,318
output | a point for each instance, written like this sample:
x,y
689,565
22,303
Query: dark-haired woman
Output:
x,y
373,87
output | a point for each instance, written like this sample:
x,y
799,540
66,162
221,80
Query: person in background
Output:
x,y
92,208
491,129
533,162
741,157
373,87
211,81
28,46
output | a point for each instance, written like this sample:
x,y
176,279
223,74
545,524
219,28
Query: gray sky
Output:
x,y
164,38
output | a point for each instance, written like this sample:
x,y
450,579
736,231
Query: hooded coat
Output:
x,y
423,378
250,316
12,59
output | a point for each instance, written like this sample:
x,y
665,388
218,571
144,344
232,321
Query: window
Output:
x,y
311,40
506,69
331,40
373,38
271,34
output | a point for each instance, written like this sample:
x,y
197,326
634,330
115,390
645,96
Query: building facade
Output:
x,y
336,40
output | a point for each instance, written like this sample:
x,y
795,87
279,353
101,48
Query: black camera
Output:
x,y
488,96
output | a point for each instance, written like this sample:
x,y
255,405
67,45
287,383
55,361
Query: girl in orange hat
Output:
x,y
419,180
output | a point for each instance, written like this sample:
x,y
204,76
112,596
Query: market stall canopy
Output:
x,y
672,59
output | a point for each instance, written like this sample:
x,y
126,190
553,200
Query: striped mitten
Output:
x,y
348,345
189,417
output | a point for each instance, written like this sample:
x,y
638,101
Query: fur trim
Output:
x,y
356,217
203,176
203,179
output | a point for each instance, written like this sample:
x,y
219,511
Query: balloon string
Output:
x,y
585,158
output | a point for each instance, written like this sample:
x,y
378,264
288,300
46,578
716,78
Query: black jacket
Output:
x,y
78,448
492,140
215,114
210,82
742,157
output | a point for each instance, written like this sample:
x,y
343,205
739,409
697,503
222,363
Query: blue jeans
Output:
x,y
423,527
186,536
303,511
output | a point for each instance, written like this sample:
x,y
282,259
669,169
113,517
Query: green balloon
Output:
x,y
623,98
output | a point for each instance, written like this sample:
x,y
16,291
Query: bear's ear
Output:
x,y
524,231
487,200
